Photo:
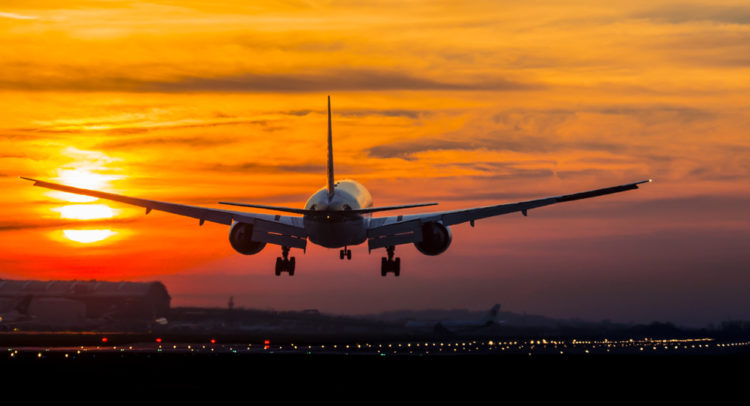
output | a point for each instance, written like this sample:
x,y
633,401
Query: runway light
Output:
x,y
266,342
213,341
104,339
158,339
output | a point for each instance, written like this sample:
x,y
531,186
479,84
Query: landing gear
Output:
x,y
285,264
389,264
345,253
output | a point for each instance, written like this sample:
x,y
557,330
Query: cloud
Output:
x,y
495,141
683,13
413,114
72,79
195,141
14,16
543,131
46,223
255,167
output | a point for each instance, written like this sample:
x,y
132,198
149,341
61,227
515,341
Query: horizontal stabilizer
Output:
x,y
319,212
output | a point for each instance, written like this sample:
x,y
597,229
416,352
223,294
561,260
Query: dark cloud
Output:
x,y
651,113
255,167
345,80
496,141
12,155
497,166
565,174
78,79
196,141
499,197
23,225
300,113
685,12
413,114
504,170
132,127
300,198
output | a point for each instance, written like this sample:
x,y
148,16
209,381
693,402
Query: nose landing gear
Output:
x,y
389,264
285,264
345,253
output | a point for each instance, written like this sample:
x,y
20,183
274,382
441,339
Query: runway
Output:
x,y
424,348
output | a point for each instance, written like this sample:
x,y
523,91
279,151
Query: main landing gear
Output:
x,y
285,264
389,264
345,253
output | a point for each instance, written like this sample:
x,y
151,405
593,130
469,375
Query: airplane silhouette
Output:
x,y
338,215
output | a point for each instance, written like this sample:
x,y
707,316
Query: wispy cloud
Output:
x,y
15,16
342,80
685,12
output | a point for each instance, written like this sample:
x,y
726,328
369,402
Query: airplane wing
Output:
x,y
406,229
270,228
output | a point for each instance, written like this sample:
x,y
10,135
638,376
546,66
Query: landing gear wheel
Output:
x,y
279,266
345,253
389,264
285,264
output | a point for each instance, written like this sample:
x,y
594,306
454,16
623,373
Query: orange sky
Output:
x,y
466,104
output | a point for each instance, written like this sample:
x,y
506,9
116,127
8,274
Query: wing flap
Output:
x,y
394,234
279,239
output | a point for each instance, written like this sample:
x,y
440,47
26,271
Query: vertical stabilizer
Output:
x,y
330,153
490,317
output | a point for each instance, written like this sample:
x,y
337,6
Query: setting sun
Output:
x,y
86,211
88,236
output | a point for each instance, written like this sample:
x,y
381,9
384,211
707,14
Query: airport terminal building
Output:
x,y
75,303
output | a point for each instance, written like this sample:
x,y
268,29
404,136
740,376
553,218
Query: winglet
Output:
x,y
330,153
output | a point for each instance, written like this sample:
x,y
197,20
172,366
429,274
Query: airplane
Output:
x,y
455,326
339,215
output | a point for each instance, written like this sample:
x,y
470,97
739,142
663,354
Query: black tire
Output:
x,y
341,254
348,254
292,264
278,266
383,267
397,267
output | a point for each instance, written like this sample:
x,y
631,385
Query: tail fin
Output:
x,y
330,153
490,317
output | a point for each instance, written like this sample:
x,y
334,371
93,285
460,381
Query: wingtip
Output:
x,y
29,179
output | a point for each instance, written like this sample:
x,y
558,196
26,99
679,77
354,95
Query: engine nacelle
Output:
x,y
436,238
240,236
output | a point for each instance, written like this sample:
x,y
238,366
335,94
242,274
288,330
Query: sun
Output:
x,y
88,236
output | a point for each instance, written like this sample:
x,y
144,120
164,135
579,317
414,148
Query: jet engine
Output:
x,y
436,238
240,236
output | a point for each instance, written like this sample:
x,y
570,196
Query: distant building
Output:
x,y
65,303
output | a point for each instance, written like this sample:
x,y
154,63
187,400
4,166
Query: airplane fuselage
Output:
x,y
335,227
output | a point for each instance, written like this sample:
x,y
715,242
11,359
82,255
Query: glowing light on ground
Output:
x,y
86,211
88,236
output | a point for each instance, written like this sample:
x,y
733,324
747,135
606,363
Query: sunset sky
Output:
x,y
464,103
